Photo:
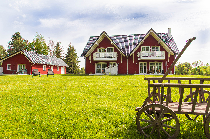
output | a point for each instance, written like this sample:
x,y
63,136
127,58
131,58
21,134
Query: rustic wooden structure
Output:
x,y
158,112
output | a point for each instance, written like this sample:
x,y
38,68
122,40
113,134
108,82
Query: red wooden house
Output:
x,y
150,53
23,62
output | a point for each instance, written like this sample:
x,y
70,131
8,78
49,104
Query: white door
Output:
x,y
62,70
142,67
52,68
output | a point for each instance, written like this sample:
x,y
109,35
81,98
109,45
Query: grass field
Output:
x,y
77,107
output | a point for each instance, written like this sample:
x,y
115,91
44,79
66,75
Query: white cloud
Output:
x,y
74,21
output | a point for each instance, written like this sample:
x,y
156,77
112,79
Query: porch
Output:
x,y
105,56
151,55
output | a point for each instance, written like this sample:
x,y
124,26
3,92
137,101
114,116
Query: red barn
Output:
x,y
23,62
150,53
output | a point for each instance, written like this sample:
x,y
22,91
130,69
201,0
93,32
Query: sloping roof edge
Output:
x,y
156,36
96,43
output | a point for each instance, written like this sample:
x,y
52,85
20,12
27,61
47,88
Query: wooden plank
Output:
x,y
208,105
176,78
191,90
169,92
154,92
195,99
186,108
180,99
177,58
162,93
148,88
179,81
180,85
201,93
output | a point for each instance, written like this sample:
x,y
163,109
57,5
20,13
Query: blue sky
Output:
x,y
75,21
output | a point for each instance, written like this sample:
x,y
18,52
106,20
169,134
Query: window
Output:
x,y
8,66
142,67
110,50
155,48
101,49
155,67
145,48
57,68
44,67
100,67
112,64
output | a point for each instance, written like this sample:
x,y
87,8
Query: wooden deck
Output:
x,y
186,108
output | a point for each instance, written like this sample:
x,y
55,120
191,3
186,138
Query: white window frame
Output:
x,y
143,67
156,65
57,68
98,49
100,68
18,66
145,48
10,67
108,48
44,67
155,48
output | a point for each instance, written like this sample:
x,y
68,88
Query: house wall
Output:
x,y
133,67
14,61
40,68
90,67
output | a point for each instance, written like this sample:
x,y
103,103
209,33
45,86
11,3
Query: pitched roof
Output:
x,y
127,43
35,58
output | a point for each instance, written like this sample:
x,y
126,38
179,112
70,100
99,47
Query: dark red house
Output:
x,y
150,53
23,62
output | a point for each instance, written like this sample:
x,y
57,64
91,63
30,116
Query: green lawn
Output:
x,y
77,107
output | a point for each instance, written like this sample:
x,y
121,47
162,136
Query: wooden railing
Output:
x,y
181,107
178,80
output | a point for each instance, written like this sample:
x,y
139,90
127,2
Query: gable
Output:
x,y
104,41
14,55
152,33
128,44
35,58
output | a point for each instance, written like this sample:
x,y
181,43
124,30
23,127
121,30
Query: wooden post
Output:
x,y
180,99
201,92
148,88
179,81
191,90
169,93
195,100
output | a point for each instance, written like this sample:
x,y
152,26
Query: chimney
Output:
x,y
169,32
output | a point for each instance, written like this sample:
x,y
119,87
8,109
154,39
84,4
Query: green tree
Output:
x,y
58,50
3,53
17,43
82,70
39,45
183,69
71,60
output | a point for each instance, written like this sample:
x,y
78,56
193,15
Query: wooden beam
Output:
x,y
180,54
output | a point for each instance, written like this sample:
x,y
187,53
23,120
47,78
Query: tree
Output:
x,y
3,53
71,60
183,69
17,43
82,70
51,47
58,50
39,45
